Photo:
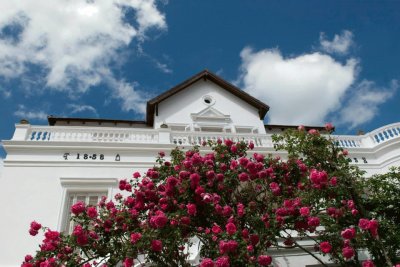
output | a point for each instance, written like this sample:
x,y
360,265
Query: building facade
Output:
x,y
48,168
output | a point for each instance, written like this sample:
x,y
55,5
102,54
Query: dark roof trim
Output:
x,y
52,120
152,105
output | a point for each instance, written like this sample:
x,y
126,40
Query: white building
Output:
x,y
49,167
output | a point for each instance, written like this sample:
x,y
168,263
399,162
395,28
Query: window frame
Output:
x,y
73,186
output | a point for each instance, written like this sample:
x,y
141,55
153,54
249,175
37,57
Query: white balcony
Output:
x,y
32,133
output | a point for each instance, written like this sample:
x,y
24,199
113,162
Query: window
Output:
x,y
87,190
89,198
208,100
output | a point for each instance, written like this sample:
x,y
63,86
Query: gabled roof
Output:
x,y
152,105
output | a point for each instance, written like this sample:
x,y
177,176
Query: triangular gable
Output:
x,y
152,105
210,113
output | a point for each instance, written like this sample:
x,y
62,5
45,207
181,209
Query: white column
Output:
x,y
21,132
164,135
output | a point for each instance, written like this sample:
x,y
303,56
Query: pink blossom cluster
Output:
x,y
236,204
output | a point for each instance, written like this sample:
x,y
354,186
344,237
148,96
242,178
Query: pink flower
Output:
x,y
301,128
227,246
333,181
122,184
254,239
36,226
128,262
313,132
156,245
245,233
313,221
243,177
363,224
348,233
135,237
78,230
194,180
82,240
230,228
52,235
33,232
351,204
227,211
136,175
251,145
264,260
233,149
240,210
207,262
92,212
304,211
373,227
325,247
275,188
243,161
191,209
222,262
216,229
228,142
93,235
28,258
159,221
368,263
329,127
348,252
318,178
78,208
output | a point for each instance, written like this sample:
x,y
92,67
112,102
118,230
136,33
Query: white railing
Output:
x,y
197,138
385,133
371,139
348,141
28,132
91,134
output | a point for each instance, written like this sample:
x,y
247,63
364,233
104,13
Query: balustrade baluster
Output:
x,y
381,137
386,134
390,133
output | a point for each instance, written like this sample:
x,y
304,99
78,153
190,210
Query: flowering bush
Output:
x,y
238,206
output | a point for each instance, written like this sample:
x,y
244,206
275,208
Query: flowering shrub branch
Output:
x,y
240,207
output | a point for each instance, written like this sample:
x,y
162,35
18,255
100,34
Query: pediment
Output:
x,y
210,113
152,105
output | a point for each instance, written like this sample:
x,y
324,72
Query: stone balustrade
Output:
x,y
31,133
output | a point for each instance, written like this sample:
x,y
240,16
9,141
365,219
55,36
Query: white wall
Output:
x,y
177,108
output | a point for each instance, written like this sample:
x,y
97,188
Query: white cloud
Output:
x,y
6,93
163,67
340,43
363,104
23,113
75,108
72,41
132,100
299,90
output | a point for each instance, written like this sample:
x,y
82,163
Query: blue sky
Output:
x,y
311,61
